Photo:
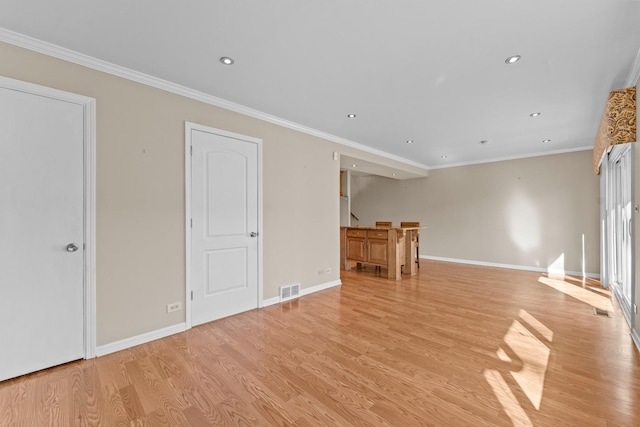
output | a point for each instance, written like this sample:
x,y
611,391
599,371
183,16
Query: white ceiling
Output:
x,y
429,71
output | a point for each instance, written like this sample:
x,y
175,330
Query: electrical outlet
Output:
x,y
327,270
174,307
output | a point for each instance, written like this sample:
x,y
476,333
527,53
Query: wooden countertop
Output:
x,y
373,227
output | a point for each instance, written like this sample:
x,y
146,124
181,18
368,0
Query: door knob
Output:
x,y
72,247
253,234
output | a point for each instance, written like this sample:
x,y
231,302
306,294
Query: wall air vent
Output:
x,y
289,292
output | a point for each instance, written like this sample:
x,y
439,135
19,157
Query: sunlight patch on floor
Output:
x,y
537,325
581,294
506,398
534,356
526,358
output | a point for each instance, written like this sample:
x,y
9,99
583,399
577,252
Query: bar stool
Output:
x,y
383,224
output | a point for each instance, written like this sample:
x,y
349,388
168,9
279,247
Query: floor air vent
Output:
x,y
600,312
289,292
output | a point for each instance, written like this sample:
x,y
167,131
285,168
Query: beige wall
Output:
x,y
140,194
526,212
475,212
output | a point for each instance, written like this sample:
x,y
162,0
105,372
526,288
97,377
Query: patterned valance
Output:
x,y
618,124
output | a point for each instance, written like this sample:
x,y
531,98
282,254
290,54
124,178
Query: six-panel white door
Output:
x,y
224,235
41,224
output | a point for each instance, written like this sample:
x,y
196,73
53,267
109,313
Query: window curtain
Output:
x,y
618,124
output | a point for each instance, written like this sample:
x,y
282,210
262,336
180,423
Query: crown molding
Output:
x,y
72,56
503,159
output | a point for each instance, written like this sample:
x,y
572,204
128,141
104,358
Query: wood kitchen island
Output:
x,y
393,248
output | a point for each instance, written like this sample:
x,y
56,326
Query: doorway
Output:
x,y
618,174
47,222
224,211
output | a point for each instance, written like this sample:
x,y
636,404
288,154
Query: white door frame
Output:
x,y
609,238
89,274
188,127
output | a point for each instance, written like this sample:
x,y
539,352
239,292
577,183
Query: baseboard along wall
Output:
x,y
509,266
181,327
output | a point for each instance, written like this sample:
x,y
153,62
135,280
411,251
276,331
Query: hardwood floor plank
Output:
x,y
240,413
131,403
312,412
454,345
117,414
197,418
84,393
142,397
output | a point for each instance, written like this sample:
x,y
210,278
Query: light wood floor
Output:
x,y
457,345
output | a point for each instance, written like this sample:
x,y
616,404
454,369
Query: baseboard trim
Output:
x,y
320,287
69,55
509,266
635,338
140,339
304,291
270,301
181,327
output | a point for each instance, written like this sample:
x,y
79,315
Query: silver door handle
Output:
x,y
72,247
253,234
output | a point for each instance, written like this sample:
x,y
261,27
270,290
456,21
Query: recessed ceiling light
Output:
x,y
393,174
226,60
512,59
546,140
443,157
353,166
410,141
534,114
351,116
484,141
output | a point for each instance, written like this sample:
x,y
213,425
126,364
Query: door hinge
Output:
x,y
191,150
191,295
191,222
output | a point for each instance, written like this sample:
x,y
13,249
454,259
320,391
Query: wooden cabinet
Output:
x,y
367,246
356,245
373,246
377,247
389,247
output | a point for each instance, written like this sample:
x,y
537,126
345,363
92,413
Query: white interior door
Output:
x,y
41,199
224,235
